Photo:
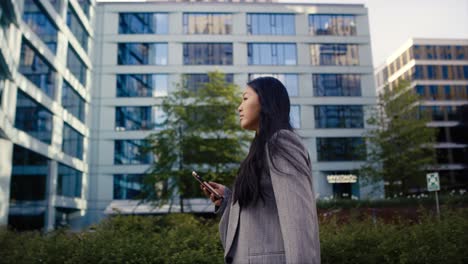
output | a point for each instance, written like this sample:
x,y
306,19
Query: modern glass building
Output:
x,y
438,71
45,84
320,52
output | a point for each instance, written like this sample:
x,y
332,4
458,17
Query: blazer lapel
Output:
x,y
232,226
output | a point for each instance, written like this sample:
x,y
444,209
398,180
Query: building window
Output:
x,y
207,53
142,85
73,102
272,53
33,118
69,181
77,28
57,4
142,54
143,23
72,143
341,149
127,186
85,6
37,70
76,66
139,118
289,80
271,24
440,72
195,81
337,25
339,116
336,84
334,54
37,20
130,152
207,23
295,116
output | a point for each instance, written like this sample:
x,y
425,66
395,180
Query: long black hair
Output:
x,y
274,116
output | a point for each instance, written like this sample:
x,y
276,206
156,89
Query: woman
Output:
x,y
270,216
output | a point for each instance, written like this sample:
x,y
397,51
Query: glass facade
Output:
x,y
334,54
127,186
77,28
37,70
340,149
142,54
195,81
271,24
29,175
73,102
207,23
439,52
57,4
442,92
339,116
272,54
444,113
72,143
142,85
37,20
85,6
143,23
207,53
130,152
440,72
33,118
139,118
76,66
336,25
289,80
336,84
295,116
69,181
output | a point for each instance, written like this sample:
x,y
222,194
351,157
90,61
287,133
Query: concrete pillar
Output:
x,y
6,156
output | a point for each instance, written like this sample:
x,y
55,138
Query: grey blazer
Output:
x,y
284,229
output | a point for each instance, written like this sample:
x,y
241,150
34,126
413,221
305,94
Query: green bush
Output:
x,y
184,238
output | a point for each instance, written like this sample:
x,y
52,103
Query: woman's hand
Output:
x,y
218,187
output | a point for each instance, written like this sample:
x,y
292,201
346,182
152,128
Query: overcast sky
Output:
x,y
392,22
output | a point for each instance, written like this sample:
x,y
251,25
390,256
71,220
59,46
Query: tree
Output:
x,y
401,145
201,133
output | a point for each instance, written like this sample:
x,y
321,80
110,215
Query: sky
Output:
x,y
393,22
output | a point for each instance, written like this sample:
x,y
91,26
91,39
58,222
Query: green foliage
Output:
x,y
183,238
400,144
203,134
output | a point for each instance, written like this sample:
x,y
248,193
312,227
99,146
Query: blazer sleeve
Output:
x,y
295,200
219,210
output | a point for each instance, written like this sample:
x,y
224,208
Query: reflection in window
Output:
x,y
33,118
69,181
142,54
271,24
341,149
35,17
207,53
77,28
76,66
139,118
37,70
73,102
195,81
272,53
142,85
295,116
289,80
339,116
72,143
334,54
337,25
130,152
127,186
336,84
143,23
207,23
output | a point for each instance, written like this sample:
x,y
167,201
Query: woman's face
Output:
x,y
249,110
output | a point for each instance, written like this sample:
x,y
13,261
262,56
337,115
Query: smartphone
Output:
x,y
206,185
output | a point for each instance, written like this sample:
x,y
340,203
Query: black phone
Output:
x,y
206,185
